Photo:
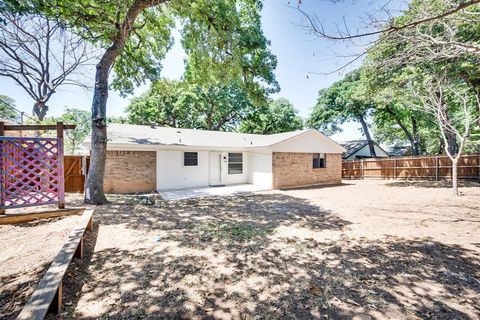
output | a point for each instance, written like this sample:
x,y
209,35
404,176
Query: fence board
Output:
x,y
75,173
426,167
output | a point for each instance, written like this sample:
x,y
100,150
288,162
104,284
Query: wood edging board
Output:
x,y
48,293
26,217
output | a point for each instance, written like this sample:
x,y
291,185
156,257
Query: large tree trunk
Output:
x,y
94,192
371,146
416,137
40,110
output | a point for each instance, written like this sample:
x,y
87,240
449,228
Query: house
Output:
x,y
147,158
359,149
400,151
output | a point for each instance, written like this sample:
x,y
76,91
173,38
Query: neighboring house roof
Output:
x,y
127,134
7,121
354,146
400,151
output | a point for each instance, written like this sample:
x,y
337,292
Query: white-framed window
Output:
x,y
190,159
235,163
319,160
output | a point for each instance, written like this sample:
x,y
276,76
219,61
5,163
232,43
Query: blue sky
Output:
x,y
303,59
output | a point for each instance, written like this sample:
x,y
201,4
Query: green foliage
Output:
x,y
345,100
279,116
6,111
224,40
74,137
181,105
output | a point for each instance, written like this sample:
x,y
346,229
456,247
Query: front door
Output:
x,y
215,169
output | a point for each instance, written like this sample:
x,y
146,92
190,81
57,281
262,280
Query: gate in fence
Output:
x,y
32,171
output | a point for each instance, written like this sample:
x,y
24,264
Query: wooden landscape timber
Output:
x,y
47,297
12,218
423,167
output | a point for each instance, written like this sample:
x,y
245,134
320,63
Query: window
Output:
x,y
319,160
190,159
235,163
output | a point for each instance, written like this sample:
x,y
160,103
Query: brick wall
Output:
x,y
295,169
130,171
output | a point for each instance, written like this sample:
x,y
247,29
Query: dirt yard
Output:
x,y
26,251
362,250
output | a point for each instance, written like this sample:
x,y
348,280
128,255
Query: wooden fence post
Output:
x,y
363,169
394,168
61,178
436,168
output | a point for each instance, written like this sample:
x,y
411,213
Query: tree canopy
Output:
x,y
279,116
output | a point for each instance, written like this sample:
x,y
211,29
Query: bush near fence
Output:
x,y
423,167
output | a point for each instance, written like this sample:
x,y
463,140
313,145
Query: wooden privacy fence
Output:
x,y
76,168
424,167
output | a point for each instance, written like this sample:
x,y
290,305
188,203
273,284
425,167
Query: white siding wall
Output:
x,y
260,169
234,178
171,173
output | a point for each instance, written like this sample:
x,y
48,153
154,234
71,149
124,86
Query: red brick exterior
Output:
x,y
296,169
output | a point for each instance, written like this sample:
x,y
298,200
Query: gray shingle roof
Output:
x,y
147,135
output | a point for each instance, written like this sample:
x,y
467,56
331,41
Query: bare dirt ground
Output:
x,y
26,251
362,250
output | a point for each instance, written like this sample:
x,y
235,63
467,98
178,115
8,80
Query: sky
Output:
x,y
305,62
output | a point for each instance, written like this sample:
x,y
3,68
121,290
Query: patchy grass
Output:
x,y
237,231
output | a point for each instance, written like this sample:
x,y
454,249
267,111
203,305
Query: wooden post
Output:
x,y
56,305
363,169
61,173
436,168
394,168
2,128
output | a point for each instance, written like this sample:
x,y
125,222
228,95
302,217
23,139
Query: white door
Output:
x,y
215,169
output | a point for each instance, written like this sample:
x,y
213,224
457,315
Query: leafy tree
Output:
x,y
74,137
178,104
345,100
161,105
279,116
135,35
81,119
6,108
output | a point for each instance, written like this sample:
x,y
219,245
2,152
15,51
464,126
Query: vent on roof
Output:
x,y
153,125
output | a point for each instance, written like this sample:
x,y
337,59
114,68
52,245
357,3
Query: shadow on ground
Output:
x,y
222,258
433,184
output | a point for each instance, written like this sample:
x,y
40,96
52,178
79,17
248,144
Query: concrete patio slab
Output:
x,y
197,192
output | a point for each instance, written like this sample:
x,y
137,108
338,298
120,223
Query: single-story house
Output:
x,y
359,149
148,158
400,151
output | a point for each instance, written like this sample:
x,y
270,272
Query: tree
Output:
x,y
40,55
135,35
81,119
161,105
345,100
279,116
7,111
452,106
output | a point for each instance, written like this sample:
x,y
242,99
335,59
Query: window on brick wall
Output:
x,y
235,163
190,159
319,160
